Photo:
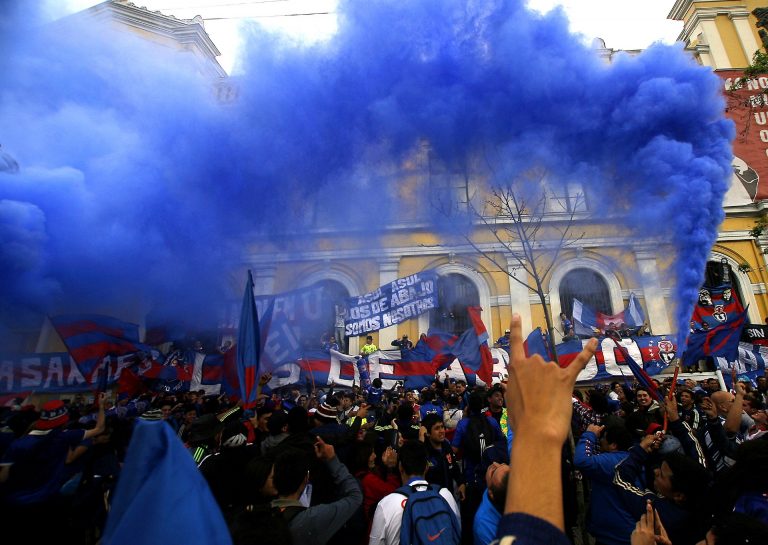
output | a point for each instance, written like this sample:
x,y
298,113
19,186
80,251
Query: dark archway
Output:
x,y
336,295
718,273
587,286
455,293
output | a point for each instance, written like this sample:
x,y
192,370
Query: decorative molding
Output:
x,y
421,251
190,34
759,288
501,300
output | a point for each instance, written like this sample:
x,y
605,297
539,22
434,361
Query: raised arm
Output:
x,y
541,423
100,418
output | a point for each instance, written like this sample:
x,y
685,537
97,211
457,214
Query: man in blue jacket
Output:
x,y
608,523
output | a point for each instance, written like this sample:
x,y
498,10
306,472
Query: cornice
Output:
x,y
709,14
182,31
679,9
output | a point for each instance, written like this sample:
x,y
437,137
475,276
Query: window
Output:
x,y
566,198
588,287
448,186
455,293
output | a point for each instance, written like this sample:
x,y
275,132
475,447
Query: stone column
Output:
x,y
519,294
712,38
743,29
388,271
655,306
264,280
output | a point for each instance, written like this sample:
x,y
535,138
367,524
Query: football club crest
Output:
x,y
719,314
727,295
666,351
705,298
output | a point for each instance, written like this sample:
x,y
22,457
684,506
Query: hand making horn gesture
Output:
x,y
539,409
539,392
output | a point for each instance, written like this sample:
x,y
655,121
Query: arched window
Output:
x,y
588,287
455,293
336,295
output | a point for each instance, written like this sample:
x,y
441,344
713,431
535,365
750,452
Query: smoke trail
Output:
x,y
135,181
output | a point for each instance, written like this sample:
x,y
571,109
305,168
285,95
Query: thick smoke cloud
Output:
x,y
136,186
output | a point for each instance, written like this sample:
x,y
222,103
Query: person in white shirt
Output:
x,y
412,463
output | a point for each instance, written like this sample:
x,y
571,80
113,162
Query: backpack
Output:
x,y
478,437
263,524
427,517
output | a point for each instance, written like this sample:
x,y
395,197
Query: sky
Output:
x,y
606,19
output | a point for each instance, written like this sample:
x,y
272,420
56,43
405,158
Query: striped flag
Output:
x,y
248,347
90,338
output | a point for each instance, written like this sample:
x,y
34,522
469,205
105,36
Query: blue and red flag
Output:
x,y
717,305
248,347
721,341
319,364
472,350
90,338
588,322
535,344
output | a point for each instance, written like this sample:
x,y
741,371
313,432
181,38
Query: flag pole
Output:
x,y
672,391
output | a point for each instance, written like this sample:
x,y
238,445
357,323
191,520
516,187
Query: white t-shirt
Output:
x,y
451,418
388,517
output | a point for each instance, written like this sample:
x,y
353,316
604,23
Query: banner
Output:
x,y
55,372
755,334
392,303
58,372
751,362
291,323
748,109
652,353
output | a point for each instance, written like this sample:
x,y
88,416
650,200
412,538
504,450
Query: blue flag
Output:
x,y
161,496
248,347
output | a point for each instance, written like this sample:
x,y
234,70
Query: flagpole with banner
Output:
x,y
248,347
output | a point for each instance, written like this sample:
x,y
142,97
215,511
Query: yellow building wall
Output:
x,y
731,41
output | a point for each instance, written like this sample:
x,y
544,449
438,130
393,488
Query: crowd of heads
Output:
x,y
703,450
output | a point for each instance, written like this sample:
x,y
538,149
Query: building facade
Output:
x,y
595,268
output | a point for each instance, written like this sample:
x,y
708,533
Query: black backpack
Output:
x,y
264,524
478,437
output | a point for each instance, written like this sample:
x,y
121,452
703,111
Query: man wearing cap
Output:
x,y
34,468
403,344
328,427
503,342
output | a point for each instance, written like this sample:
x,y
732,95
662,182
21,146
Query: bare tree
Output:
x,y
533,221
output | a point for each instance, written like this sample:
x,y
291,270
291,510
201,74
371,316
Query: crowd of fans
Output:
x,y
342,466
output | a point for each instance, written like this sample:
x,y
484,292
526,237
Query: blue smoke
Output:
x,y
137,189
